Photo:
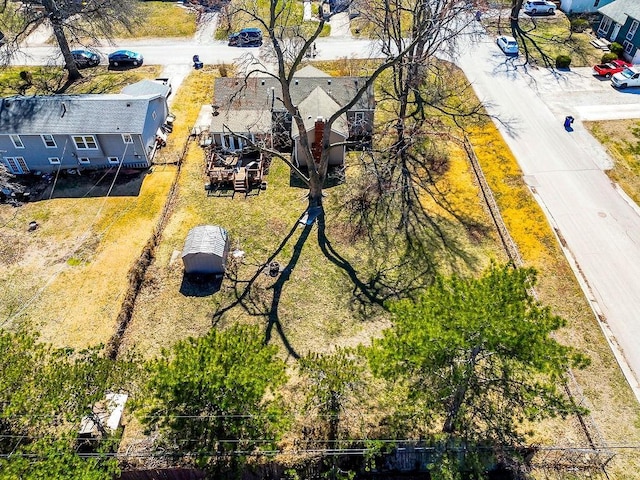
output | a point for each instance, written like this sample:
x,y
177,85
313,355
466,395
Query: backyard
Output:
x,y
67,279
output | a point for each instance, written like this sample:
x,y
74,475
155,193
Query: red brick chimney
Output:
x,y
316,146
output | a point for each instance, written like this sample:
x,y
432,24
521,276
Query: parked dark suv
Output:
x,y
247,37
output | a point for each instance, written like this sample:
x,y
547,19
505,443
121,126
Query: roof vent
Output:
x,y
262,82
128,104
296,81
64,109
329,82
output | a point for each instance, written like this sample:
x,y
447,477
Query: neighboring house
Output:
x,y
252,108
58,132
620,23
582,6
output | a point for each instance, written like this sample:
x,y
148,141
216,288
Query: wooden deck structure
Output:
x,y
240,171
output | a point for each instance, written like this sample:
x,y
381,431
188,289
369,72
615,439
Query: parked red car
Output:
x,y
608,69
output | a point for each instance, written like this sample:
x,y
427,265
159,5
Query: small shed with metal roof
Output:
x,y
205,250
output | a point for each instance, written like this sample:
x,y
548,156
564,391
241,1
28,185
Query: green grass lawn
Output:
x,y
621,138
236,16
547,36
48,80
162,19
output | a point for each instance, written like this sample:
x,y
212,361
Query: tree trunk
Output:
x,y
315,190
69,62
460,394
55,17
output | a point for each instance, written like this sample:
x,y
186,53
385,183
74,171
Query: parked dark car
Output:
x,y
247,37
85,58
125,57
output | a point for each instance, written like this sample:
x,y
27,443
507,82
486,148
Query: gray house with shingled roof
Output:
x,y
252,108
620,23
47,133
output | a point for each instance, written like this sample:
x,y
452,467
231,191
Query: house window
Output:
x,y
16,164
232,142
113,160
84,161
628,47
127,138
49,141
85,142
54,160
17,141
632,30
605,25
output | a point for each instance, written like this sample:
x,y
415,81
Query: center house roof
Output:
x,y
74,114
257,93
319,104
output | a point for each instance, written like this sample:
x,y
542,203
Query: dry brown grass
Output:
x,y
613,406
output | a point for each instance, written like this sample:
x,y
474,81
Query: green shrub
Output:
x,y
616,48
579,25
563,61
607,57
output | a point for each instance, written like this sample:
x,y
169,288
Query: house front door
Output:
x,y
614,32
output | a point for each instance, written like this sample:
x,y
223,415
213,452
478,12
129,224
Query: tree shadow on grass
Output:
x,y
250,296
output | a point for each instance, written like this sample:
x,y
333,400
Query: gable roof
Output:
x,y
311,72
255,93
249,121
74,114
619,10
147,87
320,105
209,239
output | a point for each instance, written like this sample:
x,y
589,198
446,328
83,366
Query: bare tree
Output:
x,y
290,45
72,21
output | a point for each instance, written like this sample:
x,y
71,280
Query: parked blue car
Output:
x,y
125,57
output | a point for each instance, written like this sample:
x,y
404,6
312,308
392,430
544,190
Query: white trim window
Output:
x,y
16,164
628,47
127,138
49,141
17,141
605,25
85,142
84,160
54,160
113,160
632,30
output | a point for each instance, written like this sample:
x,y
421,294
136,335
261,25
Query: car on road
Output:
x,y
611,68
628,77
507,44
85,58
534,7
125,57
247,37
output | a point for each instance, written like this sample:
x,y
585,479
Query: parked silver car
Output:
x,y
534,7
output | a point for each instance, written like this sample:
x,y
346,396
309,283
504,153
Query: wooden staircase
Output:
x,y
240,181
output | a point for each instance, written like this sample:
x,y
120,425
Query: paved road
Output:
x,y
600,225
